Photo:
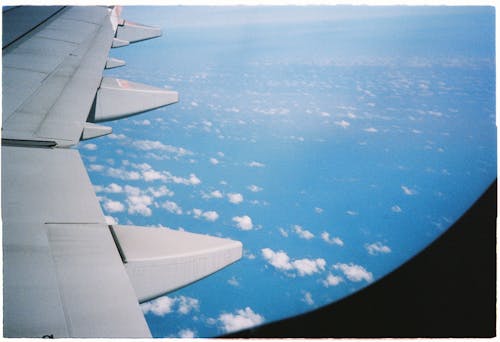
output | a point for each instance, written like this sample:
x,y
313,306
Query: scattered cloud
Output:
x,y
186,333
254,188
408,191
123,174
139,204
233,281
116,136
302,233
351,213
90,147
344,124
172,207
255,164
159,307
283,232
241,319
332,280
235,198
160,192
96,167
214,161
308,298
165,305
396,209
318,210
331,240
371,130
113,188
213,194
243,222
145,122
150,145
187,304
113,206
353,272
377,248
309,266
281,261
207,215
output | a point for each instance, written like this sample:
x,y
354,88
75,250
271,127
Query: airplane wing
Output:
x,y
66,272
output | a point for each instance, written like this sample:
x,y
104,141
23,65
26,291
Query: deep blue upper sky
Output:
x,y
334,142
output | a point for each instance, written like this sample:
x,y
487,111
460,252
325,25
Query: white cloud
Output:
x,y
165,305
123,174
149,145
309,266
408,191
187,304
159,307
172,207
145,122
354,272
113,206
283,232
243,222
308,298
377,248
371,130
207,215
233,281
161,191
96,167
193,180
344,124
113,188
302,233
210,216
139,204
351,213
242,319
281,261
132,190
331,240
396,209
213,194
318,210
235,198
255,164
332,280
214,161
116,136
152,175
90,147
186,333
254,188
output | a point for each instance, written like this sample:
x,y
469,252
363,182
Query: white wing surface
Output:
x,y
66,272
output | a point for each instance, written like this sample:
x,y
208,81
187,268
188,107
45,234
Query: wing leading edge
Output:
x,y
66,272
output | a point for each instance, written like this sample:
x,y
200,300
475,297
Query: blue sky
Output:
x,y
334,142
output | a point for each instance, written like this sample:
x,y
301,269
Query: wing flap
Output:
x,y
63,275
160,260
